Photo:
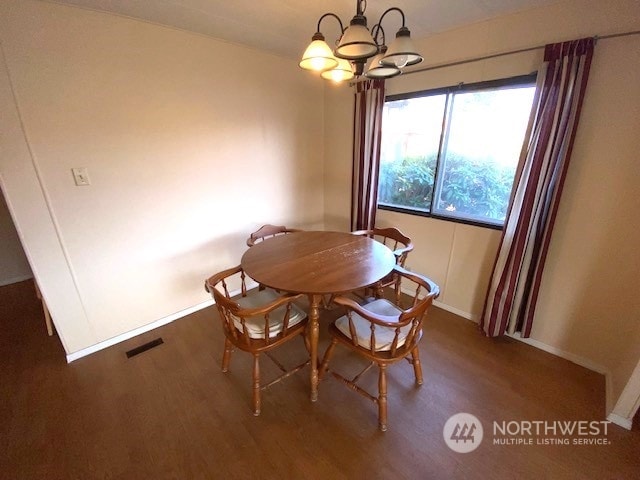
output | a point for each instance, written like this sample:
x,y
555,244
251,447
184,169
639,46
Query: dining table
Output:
x,y
318,263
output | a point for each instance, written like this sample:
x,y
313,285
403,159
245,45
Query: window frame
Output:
x,y
510,82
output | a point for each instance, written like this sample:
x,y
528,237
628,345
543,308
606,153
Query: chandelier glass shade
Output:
x,y
401,52
340,73
356,41
318,56
377,69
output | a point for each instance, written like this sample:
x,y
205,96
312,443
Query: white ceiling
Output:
x,y
285,27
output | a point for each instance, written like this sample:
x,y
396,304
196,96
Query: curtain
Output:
x,y
515,281
367,122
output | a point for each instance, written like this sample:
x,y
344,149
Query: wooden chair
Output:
x,y
396,241
384,333
268,231
256,321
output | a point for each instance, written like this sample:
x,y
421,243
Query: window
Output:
x,y
453,152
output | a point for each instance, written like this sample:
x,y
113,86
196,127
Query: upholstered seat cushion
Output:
x,y
384,335
255,325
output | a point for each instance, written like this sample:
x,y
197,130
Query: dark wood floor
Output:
x,y
171,413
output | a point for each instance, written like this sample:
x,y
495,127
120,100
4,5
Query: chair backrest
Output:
x,y
268,231
392,238
268,320
400,329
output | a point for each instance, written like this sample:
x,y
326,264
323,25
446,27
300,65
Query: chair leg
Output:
x,y
256,384
417,366
226,356
382,397
327,356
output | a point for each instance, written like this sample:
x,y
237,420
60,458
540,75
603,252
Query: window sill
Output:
x,y
420,213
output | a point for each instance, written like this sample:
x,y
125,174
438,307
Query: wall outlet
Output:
x,y
81,176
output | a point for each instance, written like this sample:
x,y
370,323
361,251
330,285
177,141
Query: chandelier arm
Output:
x,y
330,14
359,8
390,10
375,31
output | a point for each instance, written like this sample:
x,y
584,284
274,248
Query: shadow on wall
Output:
x,y
191,267
484,276
338,223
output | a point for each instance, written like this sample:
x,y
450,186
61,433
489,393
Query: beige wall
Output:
x,y
338,129
589,307
187,148
13,262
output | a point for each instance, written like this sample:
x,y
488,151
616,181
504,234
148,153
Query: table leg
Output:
x,y
314,333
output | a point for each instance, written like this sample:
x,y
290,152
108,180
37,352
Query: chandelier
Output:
x,y
356,45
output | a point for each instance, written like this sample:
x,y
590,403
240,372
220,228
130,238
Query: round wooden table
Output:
x,y
317,264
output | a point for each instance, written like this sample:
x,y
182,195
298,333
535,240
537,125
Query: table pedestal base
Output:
x,y
314,334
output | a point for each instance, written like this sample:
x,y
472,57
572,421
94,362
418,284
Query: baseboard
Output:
x,y
11,280
444,306
138,331
629,401
583,362
456,311
620,421
578,360
150,326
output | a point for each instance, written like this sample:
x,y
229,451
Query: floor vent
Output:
x,y
143,348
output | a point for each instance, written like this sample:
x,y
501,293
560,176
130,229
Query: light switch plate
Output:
x,y
81,176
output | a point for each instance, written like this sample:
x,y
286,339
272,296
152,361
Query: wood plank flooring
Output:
x,y
170,412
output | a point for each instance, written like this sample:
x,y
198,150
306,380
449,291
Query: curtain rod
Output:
x,y
512,52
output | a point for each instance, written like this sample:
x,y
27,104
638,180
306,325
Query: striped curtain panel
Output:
x,y
367,123
515,282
